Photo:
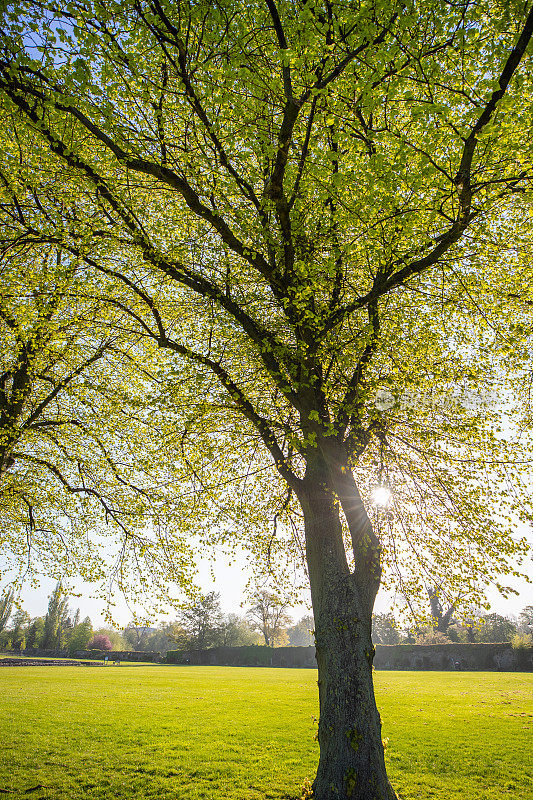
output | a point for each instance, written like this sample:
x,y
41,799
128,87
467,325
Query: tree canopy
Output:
x,y
73,496
320,235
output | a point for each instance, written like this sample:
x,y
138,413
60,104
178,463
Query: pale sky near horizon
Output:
x,y
230,581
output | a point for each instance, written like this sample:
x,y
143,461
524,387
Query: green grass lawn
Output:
x,y
184,733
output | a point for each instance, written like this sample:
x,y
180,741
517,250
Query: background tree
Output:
x,y
55,620
302,633
385,629
173,637
235,631
35,634
495,628
430,635
167,636
6,605
303,203
115,637
202,621
19,629
480,627
137,637
466,631
442,618
525,620
80,636
269,616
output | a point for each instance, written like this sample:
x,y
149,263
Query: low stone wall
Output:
x,y
120,655
250,656
39,652
489,657
481,657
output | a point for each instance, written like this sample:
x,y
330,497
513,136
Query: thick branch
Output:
x,y
161,172
282,41
243,404
62,384
266,343
349,407
462,180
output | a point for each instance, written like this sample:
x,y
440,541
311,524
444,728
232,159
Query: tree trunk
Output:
x,y
352,765
442,619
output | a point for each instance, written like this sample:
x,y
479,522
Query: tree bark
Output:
x,y
352,765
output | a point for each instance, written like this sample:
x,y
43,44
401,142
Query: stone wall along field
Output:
x,y
481,657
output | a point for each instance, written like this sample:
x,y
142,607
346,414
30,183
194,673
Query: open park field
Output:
x,y
185,733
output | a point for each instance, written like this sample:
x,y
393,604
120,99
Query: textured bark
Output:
x,y
351,765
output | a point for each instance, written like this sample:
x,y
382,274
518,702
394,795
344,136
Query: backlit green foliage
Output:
x,y
309,206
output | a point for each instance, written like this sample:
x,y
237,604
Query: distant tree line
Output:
x,y
200,625
59,629
203,625
474,628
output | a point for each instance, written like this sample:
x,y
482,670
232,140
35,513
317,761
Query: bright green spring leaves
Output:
x,y
275,198
82,493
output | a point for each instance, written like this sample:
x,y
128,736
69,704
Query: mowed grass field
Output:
x,y
185,733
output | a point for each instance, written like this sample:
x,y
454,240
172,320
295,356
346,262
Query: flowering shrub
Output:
x,y
100,642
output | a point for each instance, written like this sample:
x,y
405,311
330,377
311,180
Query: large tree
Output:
x,y
303,202
203,621
55,620
268,615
